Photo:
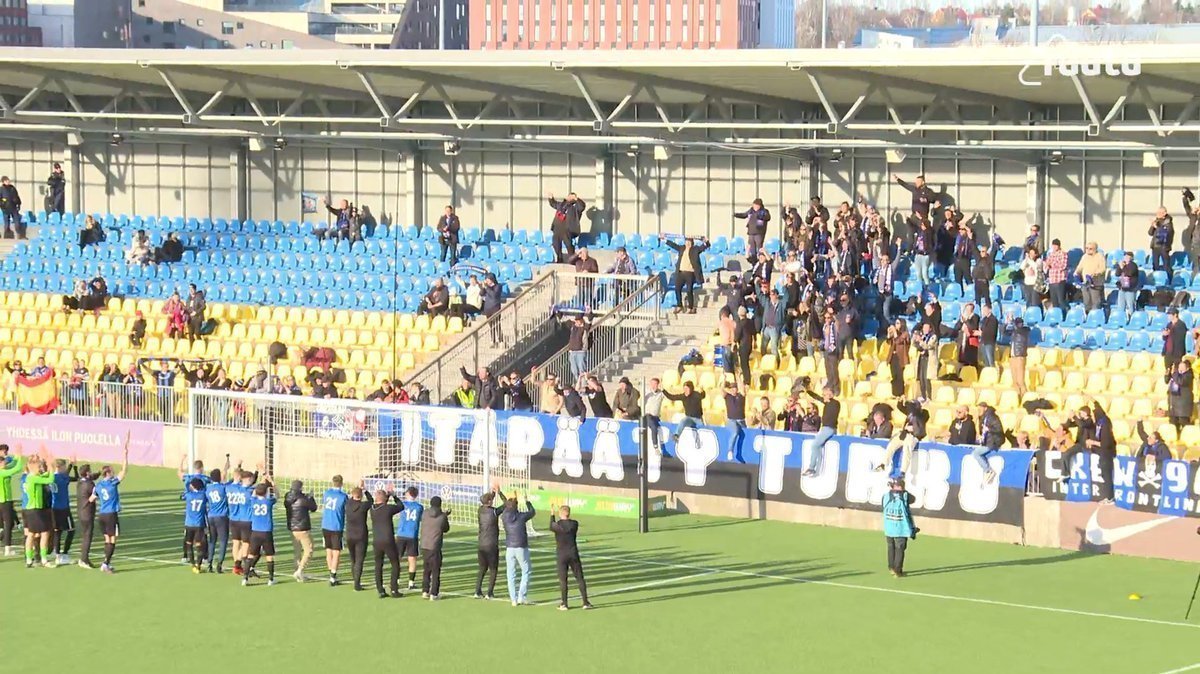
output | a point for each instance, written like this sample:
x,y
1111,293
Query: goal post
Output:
x,y
449,452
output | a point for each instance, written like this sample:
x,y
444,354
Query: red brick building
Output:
x,y
14,25
613,24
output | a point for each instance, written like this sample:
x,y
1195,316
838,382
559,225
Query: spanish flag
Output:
x,y
36,395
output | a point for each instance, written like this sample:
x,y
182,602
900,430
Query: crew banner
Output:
x,y
1141,484
946,480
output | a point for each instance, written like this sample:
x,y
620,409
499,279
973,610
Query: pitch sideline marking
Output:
x,y
1189,668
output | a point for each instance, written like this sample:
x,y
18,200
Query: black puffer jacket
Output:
x,y
299,506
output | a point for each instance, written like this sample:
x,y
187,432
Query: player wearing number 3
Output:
x,y
107,497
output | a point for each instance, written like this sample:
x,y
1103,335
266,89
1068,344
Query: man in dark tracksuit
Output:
x,y
448,228
382,526
1162,239
10,206
357,511
923,198
489,543
56,196
86,508
756,218
1191,235
435,523
566,550
565,227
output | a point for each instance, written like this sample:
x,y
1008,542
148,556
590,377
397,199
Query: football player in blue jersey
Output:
x,y
195,523
408,532
333,524
262,531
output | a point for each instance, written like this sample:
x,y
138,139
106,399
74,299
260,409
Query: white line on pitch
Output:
x,y
653,583
1189,668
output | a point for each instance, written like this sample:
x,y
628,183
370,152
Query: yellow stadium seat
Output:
x,y
1118,362
421,324
431,343
1142,362
1053,381
1097,382
317,336
356,360
406,322
406,362
1168,433
1141,385
310,317
1143,408
989,396
966,396
1096,361
295,316
767,363
943,395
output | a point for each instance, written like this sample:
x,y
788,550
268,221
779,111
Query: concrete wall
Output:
x,y
1109,199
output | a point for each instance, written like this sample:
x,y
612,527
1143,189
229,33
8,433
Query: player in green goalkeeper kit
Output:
x,y
35,486
9,466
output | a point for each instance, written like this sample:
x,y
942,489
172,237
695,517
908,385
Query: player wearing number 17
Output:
x,y
195,523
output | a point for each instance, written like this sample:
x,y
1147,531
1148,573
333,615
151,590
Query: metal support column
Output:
x,y
1035,191
237,183
73,167
415,199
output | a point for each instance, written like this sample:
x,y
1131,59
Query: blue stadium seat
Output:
x,y
1094,319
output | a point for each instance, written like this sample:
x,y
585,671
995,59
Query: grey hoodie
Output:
x,y
514,521
434,525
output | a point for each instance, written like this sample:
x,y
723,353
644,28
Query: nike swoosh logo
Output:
x,y
1098,535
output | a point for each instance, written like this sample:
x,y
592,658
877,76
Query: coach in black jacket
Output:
x,y
299,507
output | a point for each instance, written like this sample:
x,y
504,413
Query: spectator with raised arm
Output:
x,y
1162,239
566,224
689,270
342,214
1153,447
923,198
693,408
1191,235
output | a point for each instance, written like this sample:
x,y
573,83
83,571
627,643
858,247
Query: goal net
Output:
x,y
442,451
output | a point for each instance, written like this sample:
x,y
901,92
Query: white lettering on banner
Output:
x,y
410,437
824,484
525,439
445,435
929,482
864,484
484,439
567,458
975,494
1124,474
1175,477
606,455
654,456
774,450
697,448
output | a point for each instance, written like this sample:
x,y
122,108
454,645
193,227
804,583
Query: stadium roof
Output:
x,y
835,94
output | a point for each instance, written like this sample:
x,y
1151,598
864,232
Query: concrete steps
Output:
x,y
660,348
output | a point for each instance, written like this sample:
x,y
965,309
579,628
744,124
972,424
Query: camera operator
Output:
x,y
898,524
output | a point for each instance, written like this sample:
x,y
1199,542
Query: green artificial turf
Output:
x,y
697,594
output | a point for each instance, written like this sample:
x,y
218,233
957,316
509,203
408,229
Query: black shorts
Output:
x,y
262,543
333,539
408,547
109,524
63,520
195,534
37,521
239,531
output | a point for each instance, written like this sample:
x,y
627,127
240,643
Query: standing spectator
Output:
x,y
693,408
803,329
885,276
625,266
1181,404
140,251
831,411
1033,241
1162,239
762,417
343,214
578,342
625,401
565,227
1128,283
448,227
1174,340
435,523
926,344
1091,270
962,428
566,549
832,350
1055,264
772,312
488,395
583,262
573,403
56,190
964,253
989,333
1033,278
78,393
550,398
981,275
516,548
91,234
966,333
923,198
743,336
1018,335
133,386
164,386
735,419
1096,436
594,392
10,206
898,340
689,271
196,307
1191,236
517,392
924,245
816,210
652,415
437,301
724,349
491,299
488,552
756,218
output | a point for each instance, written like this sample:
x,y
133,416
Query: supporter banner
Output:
x,y
946,481
36,394
87,439
308,203
1166,488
